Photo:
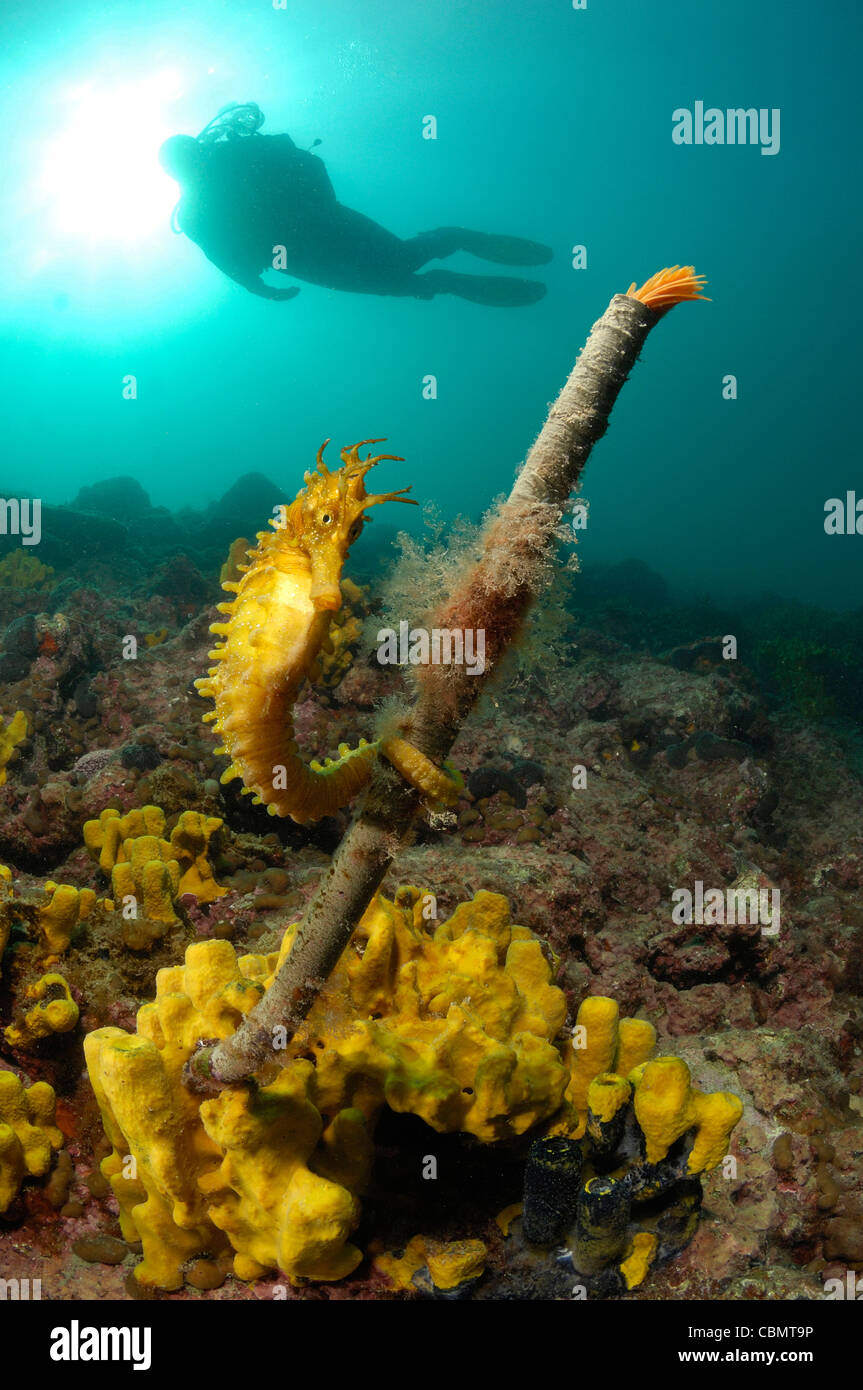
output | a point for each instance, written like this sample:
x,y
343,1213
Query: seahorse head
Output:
x,y
328,516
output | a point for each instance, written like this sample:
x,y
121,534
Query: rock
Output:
x,y
120,498
241,511
710,748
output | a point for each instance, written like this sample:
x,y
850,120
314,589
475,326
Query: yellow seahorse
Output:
x,y
275,627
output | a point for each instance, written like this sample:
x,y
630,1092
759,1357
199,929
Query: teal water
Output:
x,y
554,124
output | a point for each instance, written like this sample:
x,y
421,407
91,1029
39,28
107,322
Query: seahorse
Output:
x,y
276,625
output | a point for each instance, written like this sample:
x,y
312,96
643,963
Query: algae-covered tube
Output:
x,y
601,1221
608,1098
552,1181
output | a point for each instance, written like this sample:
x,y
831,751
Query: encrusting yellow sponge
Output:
x,y
11,735
6,896
603,1042
449,1263
639,1259
608,1060
56,920
146,866
21,570
55,1012
666,1106
276,1211
28,1135
150,875
190,843
105,837
606,1095
239,1164
454,1024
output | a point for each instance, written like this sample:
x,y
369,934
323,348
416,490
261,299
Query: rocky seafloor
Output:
x,y
696,769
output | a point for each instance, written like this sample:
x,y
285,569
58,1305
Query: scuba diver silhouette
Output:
x,y
256,202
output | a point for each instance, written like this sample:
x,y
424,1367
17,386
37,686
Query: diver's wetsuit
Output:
x,y
247,196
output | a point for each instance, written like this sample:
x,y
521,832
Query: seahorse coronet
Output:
x,y
274,629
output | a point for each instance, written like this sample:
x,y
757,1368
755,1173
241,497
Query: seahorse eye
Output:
x,y
326,519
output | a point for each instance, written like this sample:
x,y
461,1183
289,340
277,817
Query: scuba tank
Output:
x,y
236,121
233,122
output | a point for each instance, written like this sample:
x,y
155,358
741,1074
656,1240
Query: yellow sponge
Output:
x,y
105,837
449,1263
609,1061
11,735
57,919
6,896
28,1135
190,841
146,866
150,875
666,1106
55,1012
454,1024
639,1258
594,1047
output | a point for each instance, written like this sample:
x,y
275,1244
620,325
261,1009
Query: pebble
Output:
x,y
97,1184
243,881
843,1239
529,835
101,1250
205,1274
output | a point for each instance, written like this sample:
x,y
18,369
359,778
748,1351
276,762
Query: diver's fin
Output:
x,y
498,291
503,250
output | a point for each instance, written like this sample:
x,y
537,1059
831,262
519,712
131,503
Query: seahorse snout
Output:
x,y
327,600
326,559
